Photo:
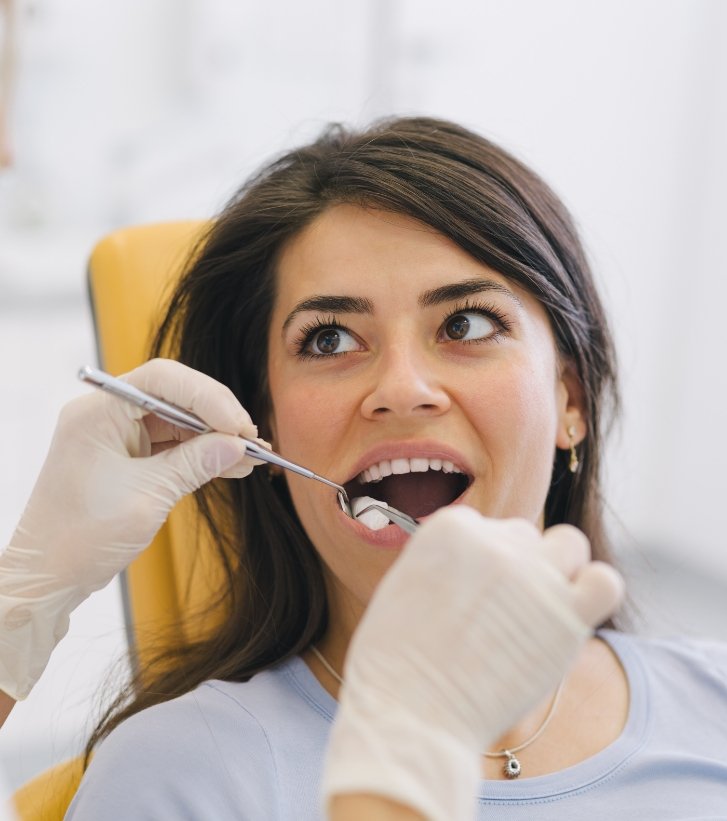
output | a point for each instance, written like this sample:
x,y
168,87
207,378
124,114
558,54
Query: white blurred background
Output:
x,y
157,109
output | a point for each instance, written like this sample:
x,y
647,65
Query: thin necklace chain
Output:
x,y
538,732
499,753
325,663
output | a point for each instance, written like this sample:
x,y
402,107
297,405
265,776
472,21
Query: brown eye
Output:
x,y
468,326
327,341
457,327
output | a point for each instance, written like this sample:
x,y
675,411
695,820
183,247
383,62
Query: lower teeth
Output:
x,y
373,519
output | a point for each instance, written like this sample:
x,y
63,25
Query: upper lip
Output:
x,y
413,449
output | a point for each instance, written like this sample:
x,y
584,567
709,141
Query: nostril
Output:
x,y
428,408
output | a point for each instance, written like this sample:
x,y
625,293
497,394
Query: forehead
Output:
x,y
374,253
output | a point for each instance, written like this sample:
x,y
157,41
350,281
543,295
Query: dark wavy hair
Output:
x,y
469,190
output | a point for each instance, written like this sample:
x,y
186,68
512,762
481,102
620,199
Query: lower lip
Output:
x,y
391,537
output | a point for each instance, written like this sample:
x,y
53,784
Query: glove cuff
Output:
x,y
29,631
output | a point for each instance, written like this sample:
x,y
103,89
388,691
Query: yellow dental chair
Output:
x,y
130,274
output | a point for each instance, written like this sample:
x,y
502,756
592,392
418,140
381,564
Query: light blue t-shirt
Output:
x,y
255,751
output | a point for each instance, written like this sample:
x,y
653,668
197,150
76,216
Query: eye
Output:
x,y
329,341
469,326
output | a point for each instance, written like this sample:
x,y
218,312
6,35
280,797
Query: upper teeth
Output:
x,y
386,467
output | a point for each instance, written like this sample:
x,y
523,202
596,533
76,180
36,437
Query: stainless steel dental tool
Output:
x,y
405,522
190,421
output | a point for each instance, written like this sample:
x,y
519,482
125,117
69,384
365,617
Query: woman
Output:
x,y
409,312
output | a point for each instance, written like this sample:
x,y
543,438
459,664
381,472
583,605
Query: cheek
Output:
x,y
308,419
514,414
513,402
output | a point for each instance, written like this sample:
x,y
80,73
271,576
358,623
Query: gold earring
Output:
x,y
574,462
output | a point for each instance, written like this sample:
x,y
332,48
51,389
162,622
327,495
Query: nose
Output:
x,y
406,383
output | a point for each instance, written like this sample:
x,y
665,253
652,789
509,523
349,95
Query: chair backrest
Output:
x,y
131,274
47,796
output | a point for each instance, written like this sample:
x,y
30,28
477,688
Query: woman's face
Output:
x,y
392,349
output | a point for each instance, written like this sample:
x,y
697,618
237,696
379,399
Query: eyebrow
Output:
x,y
333,305
468,287
336,304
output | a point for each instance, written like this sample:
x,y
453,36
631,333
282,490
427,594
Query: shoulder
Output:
x,y
672,663
221,745
686,650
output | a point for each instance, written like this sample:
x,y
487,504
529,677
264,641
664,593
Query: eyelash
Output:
x,y
488,310
309,330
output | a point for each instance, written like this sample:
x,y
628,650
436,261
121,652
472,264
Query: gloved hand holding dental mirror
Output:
x,y
371,512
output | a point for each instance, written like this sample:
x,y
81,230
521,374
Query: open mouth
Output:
x,y
415,486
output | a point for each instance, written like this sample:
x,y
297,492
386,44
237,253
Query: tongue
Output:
x,y
418,494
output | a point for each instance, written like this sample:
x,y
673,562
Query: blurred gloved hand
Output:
x,y
474,624
111,476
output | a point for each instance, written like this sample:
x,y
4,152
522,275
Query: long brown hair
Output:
x,y
461,185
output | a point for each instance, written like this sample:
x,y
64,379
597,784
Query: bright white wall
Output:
x,y
157,109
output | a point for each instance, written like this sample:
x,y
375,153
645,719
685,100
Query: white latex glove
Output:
x,y
474,624
111,477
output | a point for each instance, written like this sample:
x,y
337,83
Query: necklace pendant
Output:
x,y
512,766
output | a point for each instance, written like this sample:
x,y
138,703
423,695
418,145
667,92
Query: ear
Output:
x,y
571,408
